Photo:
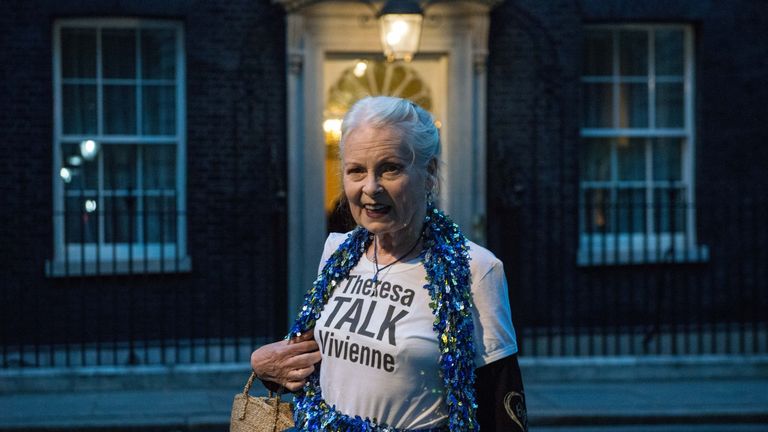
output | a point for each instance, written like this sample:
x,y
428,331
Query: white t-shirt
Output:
x,y
380,353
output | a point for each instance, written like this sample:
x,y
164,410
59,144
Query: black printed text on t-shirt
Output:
x,y
353,314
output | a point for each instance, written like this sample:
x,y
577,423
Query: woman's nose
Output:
x,y
371,186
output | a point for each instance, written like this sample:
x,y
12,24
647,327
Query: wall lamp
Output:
x,y
400,25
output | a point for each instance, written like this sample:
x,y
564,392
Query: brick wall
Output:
x,y
532,133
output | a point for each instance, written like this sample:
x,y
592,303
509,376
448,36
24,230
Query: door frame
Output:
x,y
458,30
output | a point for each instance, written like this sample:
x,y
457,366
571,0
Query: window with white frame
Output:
x,y
119,147
637,141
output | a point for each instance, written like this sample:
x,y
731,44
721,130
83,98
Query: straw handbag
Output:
x,y
259,414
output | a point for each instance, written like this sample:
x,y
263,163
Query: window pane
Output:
x,y
669,105
159,110
118,47
78,53
633,52
667,159
669,209
631,158
631,210
158,53
120,167
81,219
598,211
669,52
598,49
633,105
78,107
119,109
159,167
160,219
79,173
596,159
597,105
120,220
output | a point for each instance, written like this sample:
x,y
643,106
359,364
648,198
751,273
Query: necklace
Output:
x,y
376,260
446,260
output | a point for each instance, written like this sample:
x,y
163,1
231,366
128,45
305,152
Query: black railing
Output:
x,y
576,290
149,302
688,280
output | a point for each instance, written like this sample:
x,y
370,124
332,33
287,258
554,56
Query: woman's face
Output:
x,y
385,189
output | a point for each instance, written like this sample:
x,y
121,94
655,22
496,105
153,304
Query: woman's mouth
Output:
x,y
376,210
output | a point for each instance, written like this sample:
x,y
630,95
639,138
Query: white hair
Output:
x,y
412,123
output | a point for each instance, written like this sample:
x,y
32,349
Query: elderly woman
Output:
x,y
409,319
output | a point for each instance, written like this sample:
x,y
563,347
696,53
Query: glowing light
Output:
x,y
89,149
332,125
360,68
65,174
332,129
90,206
438,124
396,33
400,27
393,38
75,160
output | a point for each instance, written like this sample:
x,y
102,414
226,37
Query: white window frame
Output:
x,y
78,259
649,246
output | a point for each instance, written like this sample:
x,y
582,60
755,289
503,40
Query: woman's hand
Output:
x,y
287,363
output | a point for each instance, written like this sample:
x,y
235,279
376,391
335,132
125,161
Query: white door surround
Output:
x,y
315,30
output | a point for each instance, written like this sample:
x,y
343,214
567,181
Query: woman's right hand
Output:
x,y
287,362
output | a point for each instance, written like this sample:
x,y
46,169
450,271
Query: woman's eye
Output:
x,y
354,171
390,168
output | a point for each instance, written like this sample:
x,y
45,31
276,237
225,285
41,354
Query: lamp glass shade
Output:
x,y
400,35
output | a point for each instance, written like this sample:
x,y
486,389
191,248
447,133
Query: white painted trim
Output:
x,y
138,263
623,249
58,187
458,30
689,162
181,149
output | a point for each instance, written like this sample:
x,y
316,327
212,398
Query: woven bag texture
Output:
x,y
259,414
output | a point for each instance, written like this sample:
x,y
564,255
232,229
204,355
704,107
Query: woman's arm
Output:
x,y
286,363
500,397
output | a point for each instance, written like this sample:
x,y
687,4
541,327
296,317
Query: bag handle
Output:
x,y
249,384
272,394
